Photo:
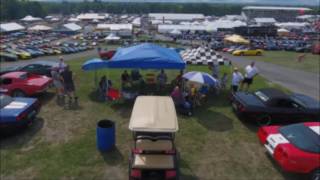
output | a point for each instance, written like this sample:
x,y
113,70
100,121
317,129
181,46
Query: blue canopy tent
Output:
x,y
94,65
146,56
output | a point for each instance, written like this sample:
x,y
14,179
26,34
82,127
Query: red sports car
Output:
x,y
295,147
20,84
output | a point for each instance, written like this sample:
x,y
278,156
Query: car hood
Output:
x,y
249,99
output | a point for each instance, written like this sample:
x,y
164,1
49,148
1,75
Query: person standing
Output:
x,y
61,65
162,79
251,72
68,81
57,82
237,77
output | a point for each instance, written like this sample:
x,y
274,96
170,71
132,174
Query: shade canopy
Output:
x,y
146,56
112,37
154,114
94,64
236,39
200,77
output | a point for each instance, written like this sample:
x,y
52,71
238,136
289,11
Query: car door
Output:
x,y
286,109
6,85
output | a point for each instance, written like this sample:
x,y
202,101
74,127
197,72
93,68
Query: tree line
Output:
x,y
16,9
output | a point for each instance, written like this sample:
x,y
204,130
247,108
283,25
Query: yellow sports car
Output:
x,y
20,53
248,52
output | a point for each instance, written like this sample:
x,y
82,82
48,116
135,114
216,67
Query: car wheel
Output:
x,y
315,175
258,54
264,120
18,93
242,54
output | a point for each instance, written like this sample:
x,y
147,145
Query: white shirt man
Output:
x,y
251,72
236,80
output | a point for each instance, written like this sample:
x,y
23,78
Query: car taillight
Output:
x,y
21,116
241,108
135,173
137,151
171,174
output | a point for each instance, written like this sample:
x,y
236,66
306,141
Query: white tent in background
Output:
x,y
137,21
112,37
72,26
29,18
40,28
73,19
282,30
95,20
54,19
175,32
9,27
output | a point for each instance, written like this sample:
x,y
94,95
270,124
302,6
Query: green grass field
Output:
x,y
61,144
311,62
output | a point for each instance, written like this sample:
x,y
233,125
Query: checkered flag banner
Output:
x,y
201,55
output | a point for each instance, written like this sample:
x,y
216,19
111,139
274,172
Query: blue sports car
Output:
x,y
17,112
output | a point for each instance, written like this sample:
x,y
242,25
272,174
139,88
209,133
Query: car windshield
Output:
x,y
302,137
5,100
262,96
24,76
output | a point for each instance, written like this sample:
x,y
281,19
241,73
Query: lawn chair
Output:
x,y
113,94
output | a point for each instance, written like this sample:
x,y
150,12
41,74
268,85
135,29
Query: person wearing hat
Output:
x,y
237,77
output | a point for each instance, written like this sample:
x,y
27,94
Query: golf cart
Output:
x,y
153,124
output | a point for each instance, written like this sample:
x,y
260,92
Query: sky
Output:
x,y
264,2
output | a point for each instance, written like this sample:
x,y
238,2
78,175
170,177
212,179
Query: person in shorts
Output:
x,y
57,82
68,82
236,80
251,72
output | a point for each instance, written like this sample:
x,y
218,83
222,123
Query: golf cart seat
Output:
x,y
144,161
149,145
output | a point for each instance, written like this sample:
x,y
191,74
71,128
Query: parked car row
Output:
x,y
27,52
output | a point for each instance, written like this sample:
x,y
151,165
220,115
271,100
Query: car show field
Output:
x,y
61,143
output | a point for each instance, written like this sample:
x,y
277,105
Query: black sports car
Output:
x,y
267,105
38,67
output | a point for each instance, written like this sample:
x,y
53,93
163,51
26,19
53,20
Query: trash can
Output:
x,y
105,135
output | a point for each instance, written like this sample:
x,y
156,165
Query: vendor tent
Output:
x,y
40,28
146,56
236,39
175,32
11,27
72,27
30,19
201,55
112,37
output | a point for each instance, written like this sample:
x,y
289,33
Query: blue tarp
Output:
x,y
146,56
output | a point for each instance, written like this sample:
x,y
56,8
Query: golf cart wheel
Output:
x,y
258,53
264,120
315,175
18,93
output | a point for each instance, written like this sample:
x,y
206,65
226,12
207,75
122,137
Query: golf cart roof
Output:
x,y
154,114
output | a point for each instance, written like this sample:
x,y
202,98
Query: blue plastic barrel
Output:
x,y
106,135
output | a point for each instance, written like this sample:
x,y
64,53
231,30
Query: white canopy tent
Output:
x,y
40,28
72,26
175,32
10,27
29,18
73,19
112,37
